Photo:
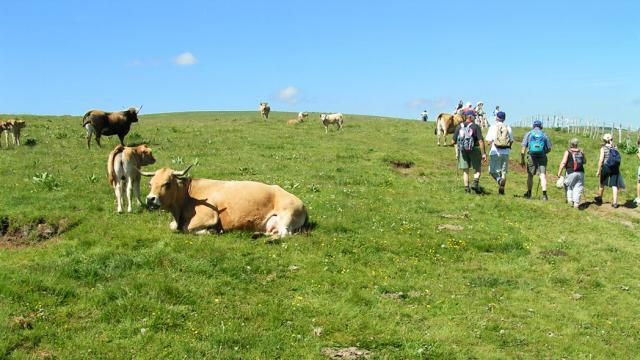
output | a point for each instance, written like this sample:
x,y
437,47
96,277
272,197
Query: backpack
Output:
x,y
614,158
465,138
536,143
578,160
502,140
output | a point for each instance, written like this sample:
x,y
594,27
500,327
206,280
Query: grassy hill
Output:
x,y
504,278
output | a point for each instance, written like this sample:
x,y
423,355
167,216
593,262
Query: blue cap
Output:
x,y
537,123
469,112
501,115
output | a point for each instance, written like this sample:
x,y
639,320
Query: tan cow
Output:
x,y
123,167
265,109
202,205
13,126
446,124
294,121
336,119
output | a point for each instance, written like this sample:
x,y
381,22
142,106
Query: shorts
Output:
x,y
609,176
470,159
638,174
536,165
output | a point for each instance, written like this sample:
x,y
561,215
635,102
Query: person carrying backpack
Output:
x,y
609,170
637,199
573,162
536,144
500,137
470,151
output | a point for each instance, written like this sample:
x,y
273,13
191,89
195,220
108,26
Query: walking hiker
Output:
x,y
536,144
609,170
573,162
500,138
470,152
496,111
424,115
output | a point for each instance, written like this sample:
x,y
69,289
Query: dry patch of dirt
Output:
x,y
450,227
30,234
627,214
346,353
464,215
556,253
402,164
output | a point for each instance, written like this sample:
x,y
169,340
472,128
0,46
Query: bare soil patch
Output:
x,y
346,353
402,164
556,253
16,235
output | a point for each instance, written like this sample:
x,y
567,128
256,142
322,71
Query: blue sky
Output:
x,y
576,58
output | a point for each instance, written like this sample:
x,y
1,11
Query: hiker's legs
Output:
x,y
465,177
578,188
543,181
569,194
494,167
615,194
529,182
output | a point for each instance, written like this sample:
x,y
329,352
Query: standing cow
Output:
x,y
336,119
265,109
13,126
123,167
109,123
446,124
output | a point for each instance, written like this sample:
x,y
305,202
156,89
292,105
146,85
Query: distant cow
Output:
x,y
336,119
265,109
123,167
446,124
109,123
294,121
13,126
302,116
202,205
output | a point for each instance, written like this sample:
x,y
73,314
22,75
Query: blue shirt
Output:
x,y
547,141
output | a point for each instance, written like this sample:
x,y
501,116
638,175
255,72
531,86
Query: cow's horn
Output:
x,y
146,173
140,108
183,172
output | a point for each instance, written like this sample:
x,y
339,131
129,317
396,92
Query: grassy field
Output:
x,y
506,278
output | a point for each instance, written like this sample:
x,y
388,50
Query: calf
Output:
x,y
123,167
13,126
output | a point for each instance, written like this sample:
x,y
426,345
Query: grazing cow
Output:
x,y
302,116
336,119
265,109
13,126
202,205
109,123
123,166
446,124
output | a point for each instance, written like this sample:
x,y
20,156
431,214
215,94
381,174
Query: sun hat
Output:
x,y
501,115
560,182
607,137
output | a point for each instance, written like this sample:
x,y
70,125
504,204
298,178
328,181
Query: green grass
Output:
x,y
375,273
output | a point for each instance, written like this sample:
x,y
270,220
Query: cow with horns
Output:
x,y
109,123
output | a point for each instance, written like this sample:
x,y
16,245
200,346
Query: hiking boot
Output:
x,y
598,200
545,197
615,206
467,190
637,201
527,195
501,188
477,190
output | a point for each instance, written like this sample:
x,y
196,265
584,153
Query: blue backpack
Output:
x,y
614,158
536,143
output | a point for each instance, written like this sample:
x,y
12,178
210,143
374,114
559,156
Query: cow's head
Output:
x,y
145,155
132,114
163,187
323,116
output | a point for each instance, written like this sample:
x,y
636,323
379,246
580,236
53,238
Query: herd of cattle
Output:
x,y
199,206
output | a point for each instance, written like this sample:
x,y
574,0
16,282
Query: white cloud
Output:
x,y
416,103
288,94
439,103
185,59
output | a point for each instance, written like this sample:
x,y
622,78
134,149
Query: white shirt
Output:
x,y
491,137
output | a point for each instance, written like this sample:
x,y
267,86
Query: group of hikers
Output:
x,y
469,145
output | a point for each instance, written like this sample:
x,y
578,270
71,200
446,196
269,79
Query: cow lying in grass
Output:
x,y
13,126
201,206
294,121
336,119
123,168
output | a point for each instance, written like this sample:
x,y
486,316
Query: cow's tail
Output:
x,y
435,130
84,118
111,171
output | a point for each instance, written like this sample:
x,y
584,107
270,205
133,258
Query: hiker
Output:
x,y
470,151
496,111
500,137
573,162
458,108
537,144
609,170
424,115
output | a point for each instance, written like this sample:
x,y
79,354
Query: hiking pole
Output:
x,y
538,187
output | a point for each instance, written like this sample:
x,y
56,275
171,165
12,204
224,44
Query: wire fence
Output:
x,y
593,129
